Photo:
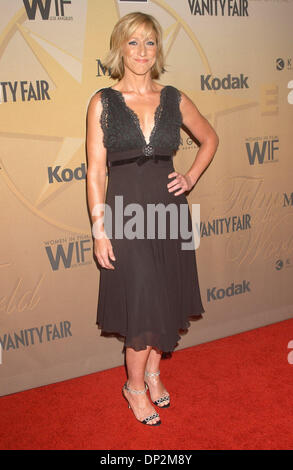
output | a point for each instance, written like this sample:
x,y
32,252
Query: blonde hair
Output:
x,y
122,31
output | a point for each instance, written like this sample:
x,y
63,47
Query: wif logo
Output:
x,y
71,256
45,7
262,151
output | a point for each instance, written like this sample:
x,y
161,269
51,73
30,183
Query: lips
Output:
x,y
142,61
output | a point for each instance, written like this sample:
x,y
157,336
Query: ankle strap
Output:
x,y
153,374
135,391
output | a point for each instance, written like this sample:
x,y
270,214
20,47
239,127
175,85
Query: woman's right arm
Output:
x,y
96,180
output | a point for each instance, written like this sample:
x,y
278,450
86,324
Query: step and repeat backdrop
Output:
x,y
234,59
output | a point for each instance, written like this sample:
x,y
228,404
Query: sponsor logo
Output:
x,y
70,252
24,91
215,293
226,83
35,335
281,64
66,175
225,225
262,150
219,7
46,8
280,264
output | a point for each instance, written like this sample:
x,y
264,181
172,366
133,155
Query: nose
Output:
x,y
142,51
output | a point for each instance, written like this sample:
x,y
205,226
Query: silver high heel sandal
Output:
x,y
148,418
164,397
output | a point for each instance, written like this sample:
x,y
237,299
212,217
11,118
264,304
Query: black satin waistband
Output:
x,y
140,156
140,160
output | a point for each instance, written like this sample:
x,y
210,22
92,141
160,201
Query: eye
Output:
x,y
150,43
132,43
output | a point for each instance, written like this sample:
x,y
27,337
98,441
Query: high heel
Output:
x,y
148,418
164,397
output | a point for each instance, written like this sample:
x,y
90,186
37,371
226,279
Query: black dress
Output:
x,y
153,291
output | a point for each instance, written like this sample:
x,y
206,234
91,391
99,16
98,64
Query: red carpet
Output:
x,y
233,393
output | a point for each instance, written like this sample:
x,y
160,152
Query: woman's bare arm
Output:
x,y
96,180
206,135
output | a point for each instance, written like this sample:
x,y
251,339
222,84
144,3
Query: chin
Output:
x,y
140,70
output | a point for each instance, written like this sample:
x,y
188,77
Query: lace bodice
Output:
x,y
121,126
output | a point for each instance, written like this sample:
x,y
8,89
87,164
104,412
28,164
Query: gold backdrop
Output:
x,y
234,59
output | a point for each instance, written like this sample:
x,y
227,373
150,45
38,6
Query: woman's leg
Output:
x,y
136,364
153,361
157,389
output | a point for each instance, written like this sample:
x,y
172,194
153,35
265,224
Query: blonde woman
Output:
x,y
149,287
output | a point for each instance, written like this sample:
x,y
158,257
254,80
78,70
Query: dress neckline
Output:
x,y
157,114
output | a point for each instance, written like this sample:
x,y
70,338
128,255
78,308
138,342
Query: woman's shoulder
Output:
x,y
174,91
100,93
182,96
96,102
99,96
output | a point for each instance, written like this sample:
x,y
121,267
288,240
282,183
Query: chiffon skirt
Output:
x,y
153,291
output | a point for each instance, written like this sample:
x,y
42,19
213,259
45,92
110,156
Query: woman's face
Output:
x,y
140,51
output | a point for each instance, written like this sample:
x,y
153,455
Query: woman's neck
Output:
x,y
139,84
